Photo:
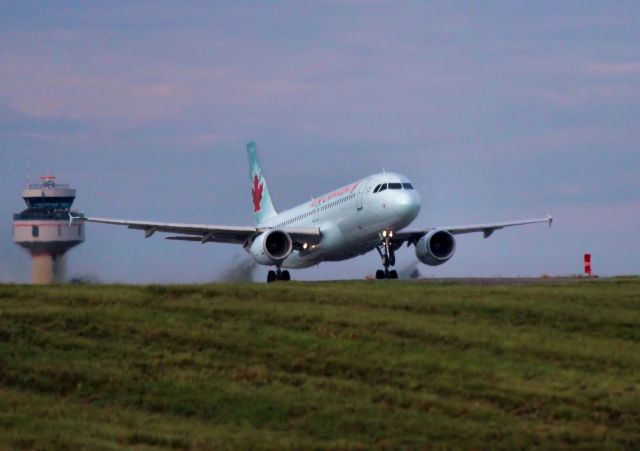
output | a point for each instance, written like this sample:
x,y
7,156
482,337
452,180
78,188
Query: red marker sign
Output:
x,y
587,264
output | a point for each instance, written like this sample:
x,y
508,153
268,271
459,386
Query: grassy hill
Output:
x,y
317,365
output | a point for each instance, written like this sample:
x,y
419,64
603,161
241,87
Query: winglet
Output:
x,y
550,219
72,218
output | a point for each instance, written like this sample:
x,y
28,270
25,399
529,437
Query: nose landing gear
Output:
x,y
387,253
278,274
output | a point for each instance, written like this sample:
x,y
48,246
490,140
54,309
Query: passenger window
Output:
x,y
395,185
407,186
383,187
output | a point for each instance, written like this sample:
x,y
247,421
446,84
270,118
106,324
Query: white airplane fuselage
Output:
x,y
350,218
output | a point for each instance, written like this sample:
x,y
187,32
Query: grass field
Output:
x,y
321,365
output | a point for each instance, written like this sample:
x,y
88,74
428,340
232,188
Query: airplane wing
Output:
x,y
412,236
205,233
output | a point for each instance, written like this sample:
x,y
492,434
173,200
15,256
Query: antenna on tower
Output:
x,y
28,167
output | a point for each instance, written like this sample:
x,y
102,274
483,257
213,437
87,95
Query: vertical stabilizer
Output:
x,y
262,206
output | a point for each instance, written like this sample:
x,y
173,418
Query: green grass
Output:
x,y
321,365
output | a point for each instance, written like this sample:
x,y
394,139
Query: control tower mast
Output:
x,y
43,228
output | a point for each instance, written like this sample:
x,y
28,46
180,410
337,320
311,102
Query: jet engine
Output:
x,y
436,247
271,247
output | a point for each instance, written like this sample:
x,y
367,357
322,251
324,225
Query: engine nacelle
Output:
x,y
271,247
436,247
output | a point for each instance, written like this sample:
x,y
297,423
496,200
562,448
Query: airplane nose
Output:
x,y
407,204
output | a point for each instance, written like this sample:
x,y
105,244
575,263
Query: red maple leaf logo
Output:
x,y
256,191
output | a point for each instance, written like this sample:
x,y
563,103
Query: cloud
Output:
x,y
610,216
57,93
13,120
22,130
208,140
580,94
618,69
576,140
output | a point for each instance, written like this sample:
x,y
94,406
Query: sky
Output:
x,y
496,111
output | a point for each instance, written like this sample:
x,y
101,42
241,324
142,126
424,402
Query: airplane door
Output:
x,y
362,189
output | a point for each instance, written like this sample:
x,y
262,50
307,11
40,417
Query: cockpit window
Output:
x,y
384,186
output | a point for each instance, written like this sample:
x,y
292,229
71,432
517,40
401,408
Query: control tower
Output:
x,y
43,228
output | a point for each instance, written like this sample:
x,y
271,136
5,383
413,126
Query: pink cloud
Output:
x,y
209,139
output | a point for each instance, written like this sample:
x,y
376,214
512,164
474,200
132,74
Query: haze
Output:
x,y
495,110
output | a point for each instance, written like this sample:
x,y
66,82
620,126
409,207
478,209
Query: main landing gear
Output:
x,y
278,274
387,253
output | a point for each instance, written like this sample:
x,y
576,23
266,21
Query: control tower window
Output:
x,y
395,185
50,202
35,231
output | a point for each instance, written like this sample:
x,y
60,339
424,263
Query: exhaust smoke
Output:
x,y
240,270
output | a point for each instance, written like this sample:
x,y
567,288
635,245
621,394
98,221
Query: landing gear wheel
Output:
x,y
273,276
386,251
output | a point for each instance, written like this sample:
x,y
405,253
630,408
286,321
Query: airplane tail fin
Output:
x,y
262,206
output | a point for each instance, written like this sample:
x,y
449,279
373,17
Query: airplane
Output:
x,y
370,213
